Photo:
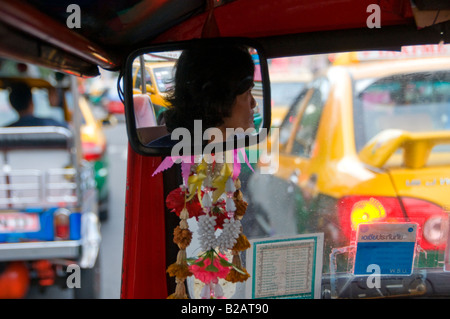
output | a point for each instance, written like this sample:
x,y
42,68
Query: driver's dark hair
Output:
x,y
207,80
20,96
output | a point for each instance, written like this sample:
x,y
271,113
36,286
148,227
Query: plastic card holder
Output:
x,y
387,247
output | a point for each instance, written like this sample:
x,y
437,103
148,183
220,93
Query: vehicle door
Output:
x,y
298,138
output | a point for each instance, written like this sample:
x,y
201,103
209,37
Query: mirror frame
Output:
x,y
133,138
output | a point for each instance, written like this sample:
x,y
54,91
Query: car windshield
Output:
x,y
284,93
415,102
164,78
314,180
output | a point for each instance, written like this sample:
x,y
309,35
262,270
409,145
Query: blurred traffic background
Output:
x,y
104,144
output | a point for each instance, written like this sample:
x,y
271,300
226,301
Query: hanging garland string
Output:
x,y
212,195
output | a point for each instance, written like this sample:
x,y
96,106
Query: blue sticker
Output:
x,y
390,246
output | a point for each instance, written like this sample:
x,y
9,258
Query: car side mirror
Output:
x,y
150,121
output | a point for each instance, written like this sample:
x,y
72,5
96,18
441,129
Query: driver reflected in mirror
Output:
x,y
213,88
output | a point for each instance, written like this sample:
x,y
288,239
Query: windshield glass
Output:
x,y
164,78
326,219
283,94
416,102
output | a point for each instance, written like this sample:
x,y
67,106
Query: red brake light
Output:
x,y
431,218
91,151
353,210
365,211
61,222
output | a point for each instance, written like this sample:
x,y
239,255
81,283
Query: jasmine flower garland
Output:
x,y
229,235
210,194
206,232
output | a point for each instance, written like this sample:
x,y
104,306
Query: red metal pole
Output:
x,y
144,250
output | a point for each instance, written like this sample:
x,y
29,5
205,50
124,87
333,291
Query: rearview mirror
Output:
x,y
182,98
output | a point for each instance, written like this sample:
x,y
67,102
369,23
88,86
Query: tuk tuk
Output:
x,y
341,209
49,216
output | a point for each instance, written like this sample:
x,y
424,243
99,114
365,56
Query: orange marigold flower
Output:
x,y
241,207
179,270
182,237
238,195
236,276
242,243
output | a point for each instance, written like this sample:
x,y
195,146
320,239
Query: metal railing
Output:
x,y
45,188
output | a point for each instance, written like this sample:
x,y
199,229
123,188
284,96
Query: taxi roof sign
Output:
x,y
166,56
416,51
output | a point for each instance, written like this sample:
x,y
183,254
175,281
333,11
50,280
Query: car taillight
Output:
x,y
354,210
91,151
61,222
432,219
364,211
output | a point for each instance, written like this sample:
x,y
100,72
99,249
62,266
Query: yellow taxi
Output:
x,y
285,85
365,142
94,149
158,80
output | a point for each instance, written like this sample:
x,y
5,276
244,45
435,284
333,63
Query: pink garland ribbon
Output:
x,y
187,161
237,163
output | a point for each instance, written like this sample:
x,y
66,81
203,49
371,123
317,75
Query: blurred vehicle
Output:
x,y
49,225
93,140
365,142
112,102
284,88
158,80
94,149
